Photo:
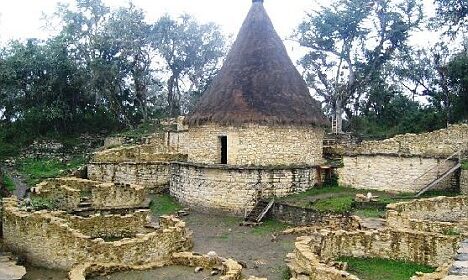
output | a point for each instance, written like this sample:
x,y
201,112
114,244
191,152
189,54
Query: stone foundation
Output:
x,y
235,189
67,193
151,175
49,240
446,215
313,255
230,269
141,153
392,173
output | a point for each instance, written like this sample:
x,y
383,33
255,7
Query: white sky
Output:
x,y
20,19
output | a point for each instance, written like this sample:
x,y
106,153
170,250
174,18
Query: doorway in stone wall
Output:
x,y
223,150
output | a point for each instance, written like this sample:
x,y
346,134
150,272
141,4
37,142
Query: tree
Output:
x,y
451,15
349,42
191,52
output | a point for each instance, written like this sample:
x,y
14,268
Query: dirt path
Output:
x,y
223,235
20,185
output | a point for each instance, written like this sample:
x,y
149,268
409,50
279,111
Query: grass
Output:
x,y
369,213
382,269
269,226
42,203
339,204
164,205
142,130
39,169
464,164
8,183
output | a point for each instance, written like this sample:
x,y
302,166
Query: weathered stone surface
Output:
x,y
9,270
252,144
151,175
49,239
67,193
235,189
440,143
392,173
464,182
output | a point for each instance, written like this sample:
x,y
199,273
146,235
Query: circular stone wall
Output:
x,y
255,144
234,189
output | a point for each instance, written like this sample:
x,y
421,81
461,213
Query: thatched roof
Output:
x,y
258,82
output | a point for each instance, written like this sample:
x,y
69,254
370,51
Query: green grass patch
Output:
x,y
334,204
464,164
8,183
269,226
36,170
43,203
164,205
382,269
369,213
142,130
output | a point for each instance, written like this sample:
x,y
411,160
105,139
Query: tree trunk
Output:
x,y
338,116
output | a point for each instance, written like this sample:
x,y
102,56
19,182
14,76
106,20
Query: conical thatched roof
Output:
x,y
258,82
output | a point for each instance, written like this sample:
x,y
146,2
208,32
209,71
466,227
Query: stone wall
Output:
x,y
314,255
230,269
295,215
439,143
392,172
67,193
152,175
141,153
446,215
235,189
47,240
421,247
253,144
464,182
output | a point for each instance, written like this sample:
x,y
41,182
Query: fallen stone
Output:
x,y
9,270
214,272
198,269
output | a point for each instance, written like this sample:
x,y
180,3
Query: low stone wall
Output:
x,y
392,172
45,239
151,175
234,189
68,192
439,143
295,215
314,255
464,182
446,215
139,153
230,269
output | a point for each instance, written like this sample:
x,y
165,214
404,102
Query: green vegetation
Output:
x,y
269,226
334,204
452,231
141,130
369,213
8,183
164,205
39,169
42,203
464,164
382,269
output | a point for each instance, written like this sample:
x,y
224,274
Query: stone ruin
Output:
x,y
430,231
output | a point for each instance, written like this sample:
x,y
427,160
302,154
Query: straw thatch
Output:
x,y
258,82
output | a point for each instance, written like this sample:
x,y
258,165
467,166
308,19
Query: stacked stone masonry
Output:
x,y
446,215
464,182
252,144
235,189
49,240
230,269
68,192
393,173
152,175
314,255
440,143
140,153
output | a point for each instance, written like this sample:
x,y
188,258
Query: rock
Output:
x,y
212,254
214,272
10,271
198,269
243,264
182,213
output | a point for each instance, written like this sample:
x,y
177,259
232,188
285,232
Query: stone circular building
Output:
x,y
255,133
258,110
